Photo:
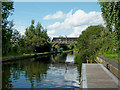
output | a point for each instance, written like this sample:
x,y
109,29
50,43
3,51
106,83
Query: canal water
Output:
x,y
54,71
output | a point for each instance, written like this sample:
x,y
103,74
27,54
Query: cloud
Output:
x,y
77,31
57,15
51,33
81,18
20,26
21,29
55,25
78,22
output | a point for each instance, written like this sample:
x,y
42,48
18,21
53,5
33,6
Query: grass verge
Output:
x,y
114,57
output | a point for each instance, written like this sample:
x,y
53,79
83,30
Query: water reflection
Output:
x,y
41,73
20,72
70,58
59,58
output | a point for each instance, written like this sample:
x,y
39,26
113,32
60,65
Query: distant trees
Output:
x,y
36,38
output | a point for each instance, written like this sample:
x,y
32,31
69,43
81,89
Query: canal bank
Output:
x,y
26,56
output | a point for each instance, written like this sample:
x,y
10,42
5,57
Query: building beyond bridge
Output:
x,y
64,40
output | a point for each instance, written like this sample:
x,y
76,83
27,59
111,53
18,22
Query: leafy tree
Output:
x,y
7,9
17,42
95,40
87,42
36,38
15,35
71,46
111,15
56,46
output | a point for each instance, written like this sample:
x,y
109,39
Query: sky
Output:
x,y
59,18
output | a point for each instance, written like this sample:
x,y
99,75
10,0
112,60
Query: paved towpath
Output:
x,y
97,76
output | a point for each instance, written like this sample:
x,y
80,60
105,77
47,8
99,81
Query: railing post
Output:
x,y
91,61
87,61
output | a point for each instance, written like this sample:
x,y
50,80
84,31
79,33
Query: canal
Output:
x,y
53,71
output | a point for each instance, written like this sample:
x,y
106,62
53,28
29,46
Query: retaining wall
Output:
x,y
110,65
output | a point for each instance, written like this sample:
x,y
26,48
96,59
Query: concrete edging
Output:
x,y
83,78
109,66
117,81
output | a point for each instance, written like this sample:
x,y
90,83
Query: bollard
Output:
x,y
87,61
91,61
108,67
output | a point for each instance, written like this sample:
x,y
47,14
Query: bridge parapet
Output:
x,y
65,40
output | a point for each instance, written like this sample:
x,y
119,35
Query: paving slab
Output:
x,y
97,76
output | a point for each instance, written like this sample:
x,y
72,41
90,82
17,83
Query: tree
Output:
x,y
95,40
15,36
36,38
7,9
87,42
17,42
71,46
111,15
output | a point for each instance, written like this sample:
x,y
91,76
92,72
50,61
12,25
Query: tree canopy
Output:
x,y
111,15
95,40
7,10
36,38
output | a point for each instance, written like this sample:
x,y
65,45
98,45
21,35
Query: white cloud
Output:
x,y
78,22
82,18
21,29
20,26
57,15
55,25
77,31
51,33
